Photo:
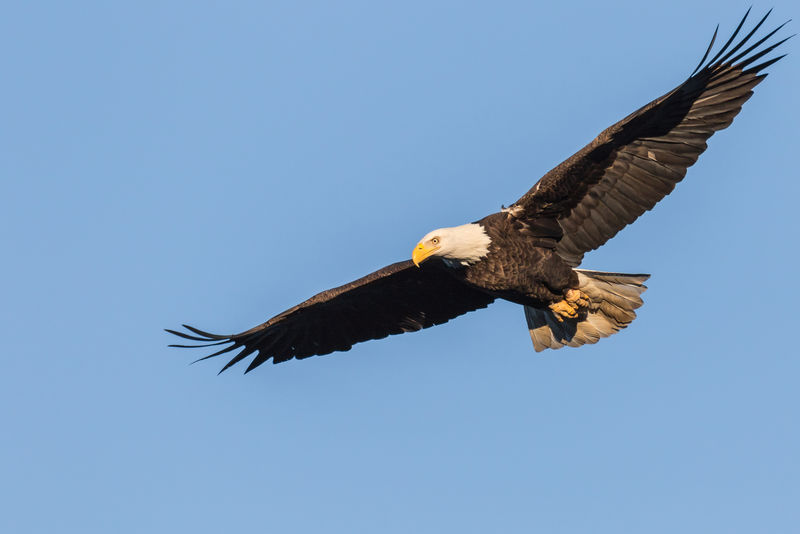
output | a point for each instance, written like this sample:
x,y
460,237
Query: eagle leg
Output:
x,y
568,308
577,298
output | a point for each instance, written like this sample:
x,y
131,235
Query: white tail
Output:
x,y
613,298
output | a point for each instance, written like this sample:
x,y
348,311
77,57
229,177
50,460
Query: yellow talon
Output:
x,y
563,309
574,300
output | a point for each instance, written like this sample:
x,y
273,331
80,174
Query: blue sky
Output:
x,y
215,163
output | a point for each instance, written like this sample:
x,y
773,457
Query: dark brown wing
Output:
x,y
396,299
635,163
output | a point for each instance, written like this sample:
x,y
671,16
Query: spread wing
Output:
x,y
398,298
635,163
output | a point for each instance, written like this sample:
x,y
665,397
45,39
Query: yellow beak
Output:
x,y
422,252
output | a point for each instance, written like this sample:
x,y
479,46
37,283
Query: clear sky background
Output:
x,y
215,163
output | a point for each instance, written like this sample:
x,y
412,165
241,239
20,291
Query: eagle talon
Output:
x,y
574,301
563,309
577,298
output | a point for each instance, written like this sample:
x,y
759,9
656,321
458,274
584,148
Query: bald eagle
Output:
x,y
529,252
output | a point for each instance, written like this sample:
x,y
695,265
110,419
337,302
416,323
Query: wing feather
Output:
x,y
635,163
396,299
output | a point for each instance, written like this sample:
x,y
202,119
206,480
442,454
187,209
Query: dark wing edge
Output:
x,y
635,163
396,299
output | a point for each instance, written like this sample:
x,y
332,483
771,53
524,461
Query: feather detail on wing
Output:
x,y
635,163
398,298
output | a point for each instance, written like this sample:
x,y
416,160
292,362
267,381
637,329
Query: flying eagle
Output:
x,y
529,252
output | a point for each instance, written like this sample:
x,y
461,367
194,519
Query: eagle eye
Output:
x,y
435,240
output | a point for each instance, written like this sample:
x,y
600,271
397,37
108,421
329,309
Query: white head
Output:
x,y
463,244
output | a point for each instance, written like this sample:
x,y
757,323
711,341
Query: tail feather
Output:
x,y
613,297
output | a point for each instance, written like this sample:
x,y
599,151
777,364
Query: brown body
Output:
x,y
522,265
